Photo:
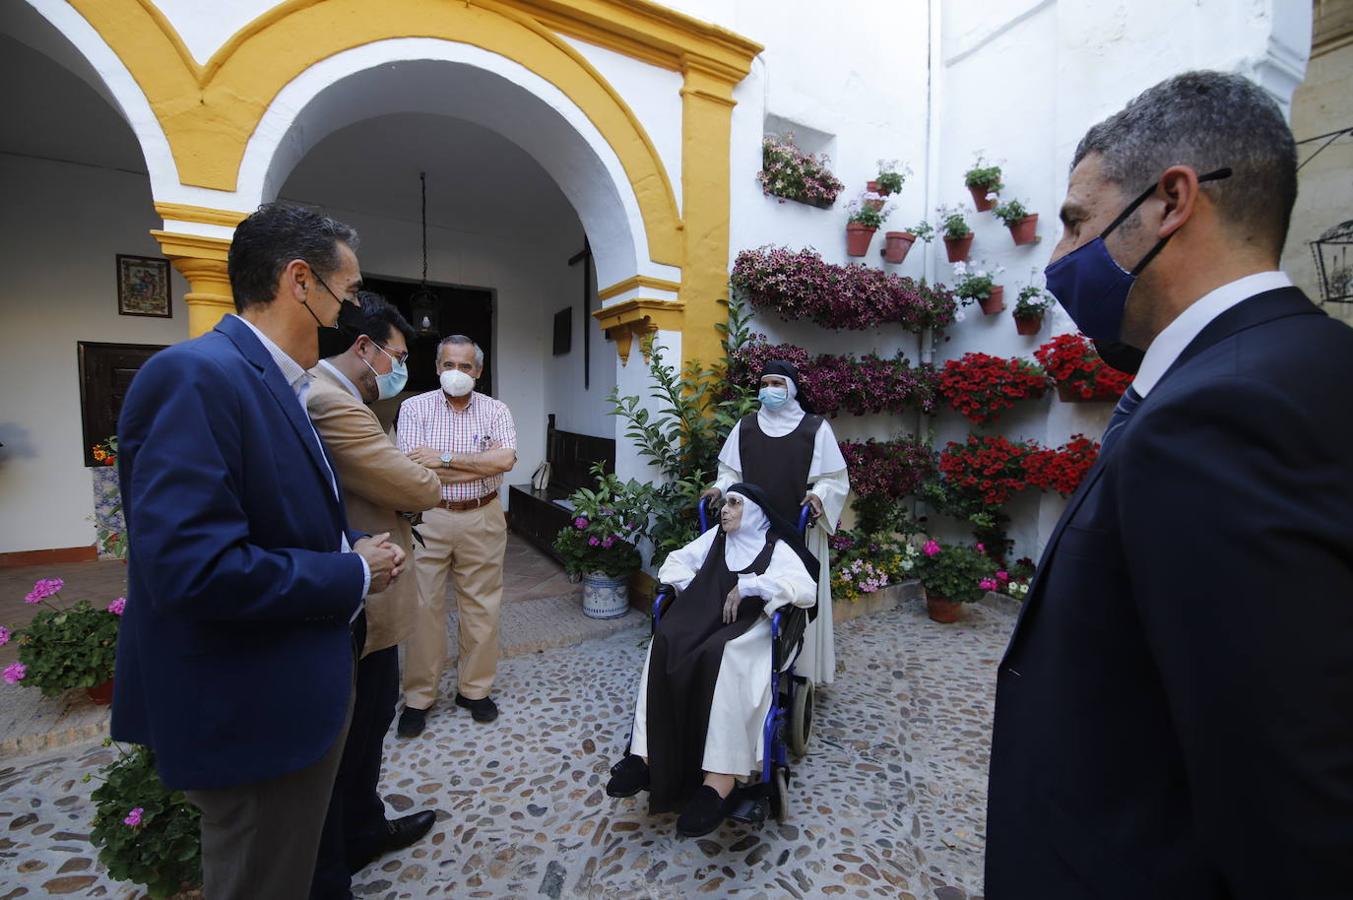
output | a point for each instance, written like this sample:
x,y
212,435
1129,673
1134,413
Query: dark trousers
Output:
x,y
356,809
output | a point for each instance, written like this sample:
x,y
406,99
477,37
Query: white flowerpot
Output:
x,y
605,597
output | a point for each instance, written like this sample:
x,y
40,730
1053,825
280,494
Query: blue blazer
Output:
x,y
234,658
1174,714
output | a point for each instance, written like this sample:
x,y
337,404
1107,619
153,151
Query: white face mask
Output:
x,y
457,383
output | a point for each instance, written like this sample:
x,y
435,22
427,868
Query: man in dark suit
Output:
x,y
1174,714
236,651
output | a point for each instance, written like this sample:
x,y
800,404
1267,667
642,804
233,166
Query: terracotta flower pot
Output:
x,y
875,205
979,198
1025,231
101,694
958,248
941,609
1029,325
873,186
896,245
857,238
996,302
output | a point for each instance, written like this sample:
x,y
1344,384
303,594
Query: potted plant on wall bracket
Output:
x,y
896,244
979,285
1030,306
864,220
599,545
984,182
1023,224
790,174
957,233
890,178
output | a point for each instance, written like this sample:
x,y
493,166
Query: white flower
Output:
x,y
991,195
960,269
959,314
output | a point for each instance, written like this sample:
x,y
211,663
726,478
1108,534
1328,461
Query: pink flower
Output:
x,y
608,541
931,547
117,606
580,523
593,541
989,584
134,817
981,548
15,672
1003,576
43,588
4,635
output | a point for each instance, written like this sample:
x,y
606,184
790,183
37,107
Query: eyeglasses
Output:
x,y
397,356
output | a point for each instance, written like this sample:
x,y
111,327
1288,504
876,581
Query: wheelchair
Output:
x,y
788,724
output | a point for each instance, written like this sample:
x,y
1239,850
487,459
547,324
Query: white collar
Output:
x,y
342,379
1170,343
296,376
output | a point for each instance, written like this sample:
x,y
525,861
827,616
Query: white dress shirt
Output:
x,y
1167,346
299,381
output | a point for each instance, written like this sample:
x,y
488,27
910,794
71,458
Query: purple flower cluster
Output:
x,y
118,606
890,469
835,384
789,173
800,285
42,589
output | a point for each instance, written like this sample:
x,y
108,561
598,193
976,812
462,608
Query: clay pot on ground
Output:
x,y
979,198
1029,325
858,238
942,609
995,302
101,694
958,248
1025,231
896,245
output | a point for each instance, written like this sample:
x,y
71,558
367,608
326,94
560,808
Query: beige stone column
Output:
x,y
201,260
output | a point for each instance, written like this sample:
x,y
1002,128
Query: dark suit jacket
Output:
x,y
1174,715
234,659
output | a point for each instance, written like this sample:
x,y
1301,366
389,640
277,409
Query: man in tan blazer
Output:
x,y
378,483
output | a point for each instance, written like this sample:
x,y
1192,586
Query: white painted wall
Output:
x,y
61,227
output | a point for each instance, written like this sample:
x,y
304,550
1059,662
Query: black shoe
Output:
x,y
702,814
484,710
628,777
411,722
394,834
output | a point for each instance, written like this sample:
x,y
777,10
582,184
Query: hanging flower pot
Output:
x,y
994,302
858,238
1028,325
979,197
101,694
605,597
958,248
874,188
896,245
1025,231
873,204
941,609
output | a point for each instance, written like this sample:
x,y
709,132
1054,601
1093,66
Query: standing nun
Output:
x,y
705,688
792,455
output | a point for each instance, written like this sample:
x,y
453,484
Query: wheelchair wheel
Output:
x,y
779,795
801,718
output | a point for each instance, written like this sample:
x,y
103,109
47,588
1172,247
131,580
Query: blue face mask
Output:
x,y
1092,287
392,382
773,397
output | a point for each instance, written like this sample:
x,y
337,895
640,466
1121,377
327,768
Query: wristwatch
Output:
x,y
446,460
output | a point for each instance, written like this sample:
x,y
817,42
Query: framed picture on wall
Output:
x,y
563,331
143,286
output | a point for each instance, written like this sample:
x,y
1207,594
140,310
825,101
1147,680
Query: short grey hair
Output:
x,y
461,340
1206,120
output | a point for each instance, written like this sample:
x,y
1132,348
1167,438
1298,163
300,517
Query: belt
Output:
x,y
464,505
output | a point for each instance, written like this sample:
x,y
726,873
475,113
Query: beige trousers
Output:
x,y
468,546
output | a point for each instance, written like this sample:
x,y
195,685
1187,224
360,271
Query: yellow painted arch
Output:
x,y
209,112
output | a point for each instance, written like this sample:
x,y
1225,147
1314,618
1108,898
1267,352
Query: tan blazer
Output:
x,y
377,482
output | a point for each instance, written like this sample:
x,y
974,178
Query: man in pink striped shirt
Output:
x,y
469,439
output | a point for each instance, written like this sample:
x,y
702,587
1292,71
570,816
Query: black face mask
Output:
x,y
350,319
1123,357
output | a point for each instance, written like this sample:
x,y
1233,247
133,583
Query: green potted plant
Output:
x,y
146,833
984,183
953,575
599,545
890,178
65,648
896,244
1030,306
979,285
864,220
957,233
1023,224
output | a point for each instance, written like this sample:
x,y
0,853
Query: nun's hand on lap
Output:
x,y
813,501
730,606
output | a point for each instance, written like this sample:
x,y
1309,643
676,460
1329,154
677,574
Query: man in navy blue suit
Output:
x,y
246,587
1174,714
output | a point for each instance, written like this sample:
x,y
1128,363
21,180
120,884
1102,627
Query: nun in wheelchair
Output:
x,y
706,683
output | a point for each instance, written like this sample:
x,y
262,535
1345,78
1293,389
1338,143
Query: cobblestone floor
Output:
x,y
889,803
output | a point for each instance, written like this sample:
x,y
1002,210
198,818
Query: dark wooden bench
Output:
x,y
536,515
